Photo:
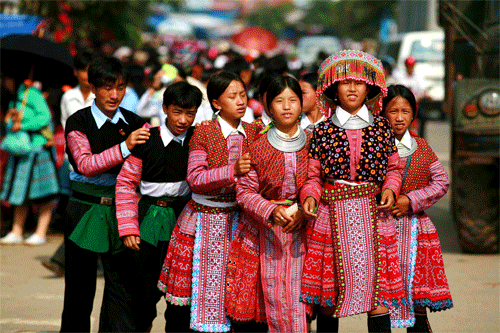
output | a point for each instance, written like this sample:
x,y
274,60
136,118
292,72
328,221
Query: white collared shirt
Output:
x,y
167,136
306,122
227,129
100,118
405,140
72,101
344,116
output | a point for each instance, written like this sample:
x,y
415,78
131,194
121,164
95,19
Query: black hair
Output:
x,y
182,94
277,65
82,59
387,66
237,65
207,73
106,70
264,84
396,90
280,83
311,78
218,83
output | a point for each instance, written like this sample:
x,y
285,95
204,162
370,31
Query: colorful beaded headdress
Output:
x,y
350,65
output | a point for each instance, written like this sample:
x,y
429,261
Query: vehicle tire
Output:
x,y
475,193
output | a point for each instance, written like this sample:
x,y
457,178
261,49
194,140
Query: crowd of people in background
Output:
x,y
280,190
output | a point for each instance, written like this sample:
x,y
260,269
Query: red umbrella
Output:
x,y
254,41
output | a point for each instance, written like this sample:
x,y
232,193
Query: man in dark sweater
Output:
x,y
98,139
159,169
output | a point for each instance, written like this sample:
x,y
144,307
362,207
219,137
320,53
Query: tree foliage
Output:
x,y
119,21
271,17
348,18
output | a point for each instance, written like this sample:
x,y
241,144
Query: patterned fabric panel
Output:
x,y
271,179
330,145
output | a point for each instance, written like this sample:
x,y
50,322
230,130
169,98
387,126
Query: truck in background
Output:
x,y
472,99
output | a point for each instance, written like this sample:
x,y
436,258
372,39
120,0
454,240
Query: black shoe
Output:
x,y
54,267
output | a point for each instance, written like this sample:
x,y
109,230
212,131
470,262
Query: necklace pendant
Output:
x,y
121,131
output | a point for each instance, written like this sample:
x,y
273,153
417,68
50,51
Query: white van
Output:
x,y
427,47
308,47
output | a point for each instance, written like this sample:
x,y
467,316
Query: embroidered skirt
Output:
x,y
244,295
352,261
194,271
30,177
422,269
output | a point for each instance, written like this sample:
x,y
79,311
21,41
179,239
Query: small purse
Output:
x,y
17,143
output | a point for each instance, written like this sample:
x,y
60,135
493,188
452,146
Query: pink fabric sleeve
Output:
x,y
438,186
313,184
248,197
89,164
200,178
394,177
126,196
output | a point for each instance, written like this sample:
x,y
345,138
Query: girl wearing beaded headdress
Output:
x,y
354,177
267,254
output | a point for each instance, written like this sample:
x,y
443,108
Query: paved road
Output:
x,y
31,298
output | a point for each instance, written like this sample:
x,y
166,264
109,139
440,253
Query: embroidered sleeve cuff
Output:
x,y
266,217
413,203
128,229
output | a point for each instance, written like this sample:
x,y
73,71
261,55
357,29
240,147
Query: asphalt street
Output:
x,y
31,298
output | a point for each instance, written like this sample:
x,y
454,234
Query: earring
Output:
x,y
336,99
366,98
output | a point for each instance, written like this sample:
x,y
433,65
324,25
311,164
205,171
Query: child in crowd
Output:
x,y
194,272
271,230
352,251
424,183
159,169
264,120
98,140
311,114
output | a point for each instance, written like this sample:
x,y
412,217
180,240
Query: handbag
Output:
x,y
17,143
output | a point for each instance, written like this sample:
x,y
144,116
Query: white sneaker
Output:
x,y
35,240
11,238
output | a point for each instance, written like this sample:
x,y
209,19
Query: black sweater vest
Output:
x,y
102,138
162,164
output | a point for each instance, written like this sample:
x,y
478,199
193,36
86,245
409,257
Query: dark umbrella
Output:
x,y
52,64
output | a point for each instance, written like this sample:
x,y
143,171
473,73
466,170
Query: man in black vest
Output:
x,y
98,139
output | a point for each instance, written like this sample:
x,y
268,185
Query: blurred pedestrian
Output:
x,y
311,114
30,173
150,105
72,100
264,120
98,139
424,182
